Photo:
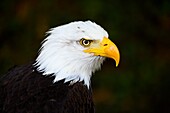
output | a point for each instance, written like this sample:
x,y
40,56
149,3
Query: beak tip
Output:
x,y
117,60
117,63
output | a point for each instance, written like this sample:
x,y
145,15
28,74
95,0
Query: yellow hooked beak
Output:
x,y
105,48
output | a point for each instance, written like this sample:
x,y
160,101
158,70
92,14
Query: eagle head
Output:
x,y
74,51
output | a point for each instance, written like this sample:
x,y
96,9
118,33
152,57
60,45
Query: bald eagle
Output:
x,y
58,80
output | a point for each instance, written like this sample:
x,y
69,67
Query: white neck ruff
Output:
x,y
63,57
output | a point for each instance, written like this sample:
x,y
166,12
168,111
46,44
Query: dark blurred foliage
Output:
x,y
140,29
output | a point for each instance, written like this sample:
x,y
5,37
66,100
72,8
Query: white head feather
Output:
x,y
62,55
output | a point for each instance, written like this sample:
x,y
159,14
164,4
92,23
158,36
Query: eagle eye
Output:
x,y
85,42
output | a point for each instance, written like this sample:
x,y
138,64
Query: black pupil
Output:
x,y
86,42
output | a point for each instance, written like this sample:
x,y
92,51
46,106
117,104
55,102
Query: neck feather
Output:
x,y
66,65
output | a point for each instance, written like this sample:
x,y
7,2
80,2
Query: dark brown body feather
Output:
x,y
24,90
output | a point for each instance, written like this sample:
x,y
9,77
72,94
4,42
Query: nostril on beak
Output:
x,y
105,44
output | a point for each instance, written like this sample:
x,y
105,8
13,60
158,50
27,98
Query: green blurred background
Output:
x,y
140,29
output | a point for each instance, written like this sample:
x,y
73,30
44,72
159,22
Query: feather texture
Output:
x,y
24,90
